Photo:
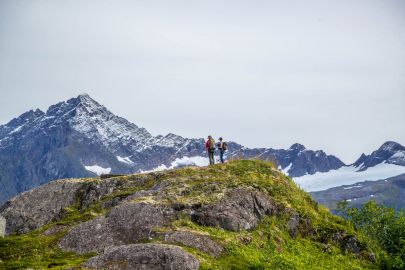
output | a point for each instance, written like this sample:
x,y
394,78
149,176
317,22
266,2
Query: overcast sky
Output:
x,y
327,74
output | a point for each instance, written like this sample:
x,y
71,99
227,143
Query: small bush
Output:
x,y
383,224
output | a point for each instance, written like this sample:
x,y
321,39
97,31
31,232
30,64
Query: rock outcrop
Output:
x,y
241,209
32,209
35,208
126,223
2,226
144,257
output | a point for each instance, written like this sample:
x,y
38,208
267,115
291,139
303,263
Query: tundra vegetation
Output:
x,y
244,214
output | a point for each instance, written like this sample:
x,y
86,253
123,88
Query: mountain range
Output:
x,y
81,138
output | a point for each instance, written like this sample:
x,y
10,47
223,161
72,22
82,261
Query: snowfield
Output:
x,y
198,161
125,160
347,175
98,170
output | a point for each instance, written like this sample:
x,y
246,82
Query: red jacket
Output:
x,y
207,145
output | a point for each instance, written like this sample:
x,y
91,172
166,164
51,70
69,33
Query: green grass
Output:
x,y
36,251
269,246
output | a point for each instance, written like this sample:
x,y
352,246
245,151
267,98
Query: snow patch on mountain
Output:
x,y
185,161
347,175
125,160
16,129
286,169
189,161
398,156
98,169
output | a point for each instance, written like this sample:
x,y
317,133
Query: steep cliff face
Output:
x,y
241,215
81,138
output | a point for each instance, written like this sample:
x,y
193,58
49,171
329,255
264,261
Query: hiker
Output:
x,y
210,147
222,147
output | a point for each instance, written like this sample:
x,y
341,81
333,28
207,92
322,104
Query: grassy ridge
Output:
x,y
269,246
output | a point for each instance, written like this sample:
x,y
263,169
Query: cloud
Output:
x,y
328,74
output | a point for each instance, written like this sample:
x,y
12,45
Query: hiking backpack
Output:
x,y
212,145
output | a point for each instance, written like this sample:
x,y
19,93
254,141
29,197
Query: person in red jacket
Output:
x,y
210,147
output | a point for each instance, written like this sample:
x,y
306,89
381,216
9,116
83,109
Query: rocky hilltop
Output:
x,y
241,215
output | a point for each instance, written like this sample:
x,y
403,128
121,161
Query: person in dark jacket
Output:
x,y
222,147
210,147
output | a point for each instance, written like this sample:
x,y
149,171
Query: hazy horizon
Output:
x,y
326,74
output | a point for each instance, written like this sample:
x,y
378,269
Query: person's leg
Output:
x,y
221,156
211,156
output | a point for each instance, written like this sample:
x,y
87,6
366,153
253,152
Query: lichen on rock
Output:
x,y
144,257
241,209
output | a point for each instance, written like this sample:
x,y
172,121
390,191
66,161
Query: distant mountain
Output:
x,y
81,138
389,152
388,161
390,192
295,161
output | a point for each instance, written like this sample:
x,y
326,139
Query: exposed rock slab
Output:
x,y
241,209
299,225
35,208
134,222
144,257
2,226
348,242
94,191
93,235
196,240
125,224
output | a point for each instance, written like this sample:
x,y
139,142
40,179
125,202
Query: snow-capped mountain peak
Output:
x,y
391,146
390,153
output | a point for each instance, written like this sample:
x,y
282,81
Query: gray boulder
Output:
x,y
144,257
126,223
299,225
90,236
241,209
2,226
348,242
195,240
96,190
293,224
134,222
35,208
